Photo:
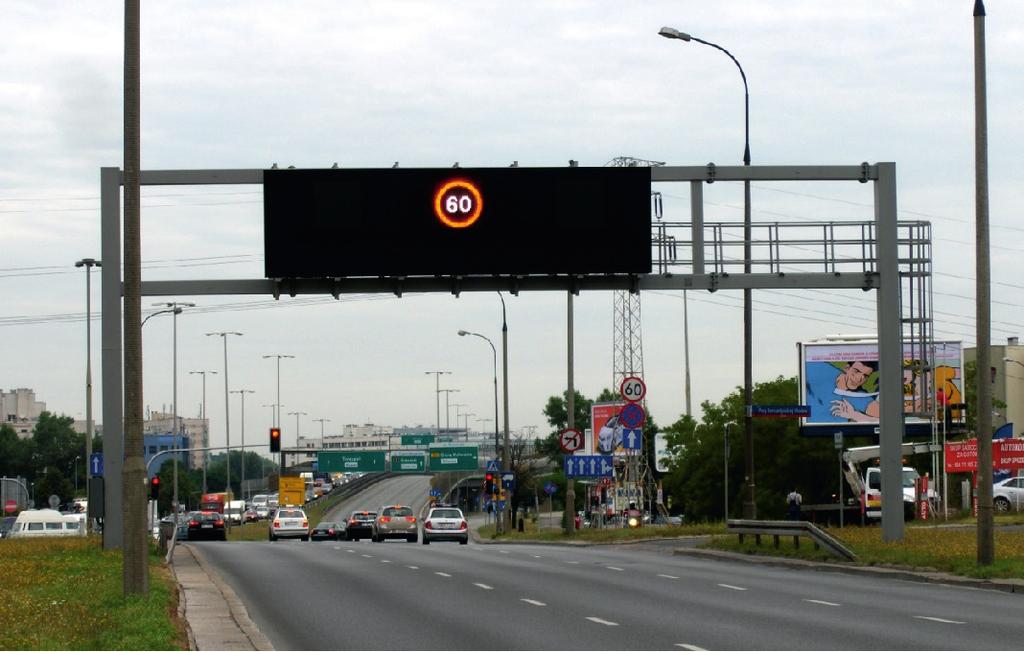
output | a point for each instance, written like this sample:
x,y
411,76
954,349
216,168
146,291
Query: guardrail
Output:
x,y
795,529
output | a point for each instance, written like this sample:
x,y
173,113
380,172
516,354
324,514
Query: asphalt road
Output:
x,y
397,595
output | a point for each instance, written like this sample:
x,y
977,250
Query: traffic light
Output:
x,y
275,440
489,483
154,488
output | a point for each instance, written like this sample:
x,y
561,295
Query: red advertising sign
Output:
x,y
607,431
962,456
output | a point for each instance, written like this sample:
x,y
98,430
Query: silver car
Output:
x,y
394,522
445,524
1008,495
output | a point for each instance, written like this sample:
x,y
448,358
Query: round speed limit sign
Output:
x,y
633,389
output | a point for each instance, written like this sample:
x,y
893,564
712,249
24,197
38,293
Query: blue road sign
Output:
x,y
508,480
632,416
550,487
633,439
435,492
501,505
96,465
588,466
779,411
492,465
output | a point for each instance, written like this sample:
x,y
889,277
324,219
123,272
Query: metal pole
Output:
x,y
568,522
726,474
88,263
986,542
506,459
174,408
686,350
227,413
242,393
841,488
112,354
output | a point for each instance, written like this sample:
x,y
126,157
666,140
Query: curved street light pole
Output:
x,y
750,504
494,352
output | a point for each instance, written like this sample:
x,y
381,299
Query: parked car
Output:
x,y
445,524
206,525
1008,494
360,525
46,523
289,522
326,531
6,523
395,522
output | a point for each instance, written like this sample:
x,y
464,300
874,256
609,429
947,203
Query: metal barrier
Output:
x,y
795,529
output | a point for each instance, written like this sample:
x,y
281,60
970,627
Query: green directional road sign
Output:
x,y
454,458
350,462
417,440
407,463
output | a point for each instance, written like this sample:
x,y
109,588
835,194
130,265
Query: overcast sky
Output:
x,y
249,84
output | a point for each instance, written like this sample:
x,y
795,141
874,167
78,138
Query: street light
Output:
x,y
277,413
176,307
447,408
88,264
437,393
750,505
242,392
457,406
494,351
322,421
297,415
227,409
206,425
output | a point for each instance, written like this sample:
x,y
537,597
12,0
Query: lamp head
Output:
x,y
1007,359
463,333
672,32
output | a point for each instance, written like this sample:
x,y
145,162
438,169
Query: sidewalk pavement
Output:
x,y
216,618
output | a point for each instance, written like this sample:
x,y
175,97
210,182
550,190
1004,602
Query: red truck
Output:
x,y
213,502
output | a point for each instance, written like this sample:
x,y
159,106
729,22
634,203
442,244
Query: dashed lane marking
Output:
x,y
941,620
668,577
385,561
367,556
572,562
615,568
601,621
536,603
693,648
730,586
414,567
483,586
824,602
441,574
535,556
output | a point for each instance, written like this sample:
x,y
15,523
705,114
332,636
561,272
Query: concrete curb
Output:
x,y
206,622
893,572
182,602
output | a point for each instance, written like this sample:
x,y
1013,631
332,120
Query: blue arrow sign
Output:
x,y
588,466
435,492
96,465
633,439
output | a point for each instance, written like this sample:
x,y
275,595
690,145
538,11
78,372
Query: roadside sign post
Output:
x,y
839,447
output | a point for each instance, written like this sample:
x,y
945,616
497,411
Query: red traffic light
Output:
x,y
154,488
489,477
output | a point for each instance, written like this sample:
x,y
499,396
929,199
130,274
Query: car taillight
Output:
x,y
277,523
330,530
305,524
353,522
411,519
428,524
462,525
193,523
385,519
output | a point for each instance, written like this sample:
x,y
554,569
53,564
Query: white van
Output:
x,y
233,510
46,523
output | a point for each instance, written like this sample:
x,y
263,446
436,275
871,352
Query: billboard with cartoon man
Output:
x,y
840,381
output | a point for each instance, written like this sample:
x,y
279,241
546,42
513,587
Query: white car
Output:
x,y
289,522
445,524
1008,495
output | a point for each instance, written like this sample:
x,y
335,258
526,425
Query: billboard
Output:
x,y
839,382
456,221
606,431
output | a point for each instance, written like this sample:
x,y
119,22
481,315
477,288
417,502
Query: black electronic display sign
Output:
x,y
452,221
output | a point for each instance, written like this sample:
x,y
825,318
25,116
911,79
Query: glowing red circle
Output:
x,y
458,221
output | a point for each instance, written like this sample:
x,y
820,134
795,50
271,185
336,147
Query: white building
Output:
x,y
20,410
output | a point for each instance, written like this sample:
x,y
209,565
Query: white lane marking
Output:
x,y
601,621
827,604
693,648
536,603
572,562
941,620
337,547
385,561
350,551
483,586
613,568
730,586
367,556
535,556
504,552
441,574
669,577
414,567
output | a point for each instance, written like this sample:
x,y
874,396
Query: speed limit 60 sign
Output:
x,y
633,389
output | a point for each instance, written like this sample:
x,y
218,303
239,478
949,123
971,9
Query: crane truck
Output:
x,y
868,486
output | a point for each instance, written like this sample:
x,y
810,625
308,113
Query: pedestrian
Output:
x,y
794,500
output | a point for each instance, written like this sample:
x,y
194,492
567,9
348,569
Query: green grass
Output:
x,y
610,535
67,594
952,550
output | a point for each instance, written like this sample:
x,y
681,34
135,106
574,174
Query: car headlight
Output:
x,y
633,522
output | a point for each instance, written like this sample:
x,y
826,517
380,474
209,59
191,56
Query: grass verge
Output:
x,y
952,550
67,594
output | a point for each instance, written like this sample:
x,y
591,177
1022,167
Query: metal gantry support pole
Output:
x,y
206,425
568,522
111,355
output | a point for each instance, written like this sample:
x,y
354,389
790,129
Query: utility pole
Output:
x,y
88,264
242,393
227,410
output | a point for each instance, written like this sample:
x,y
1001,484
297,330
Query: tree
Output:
x,y
783,459
56,443
54,483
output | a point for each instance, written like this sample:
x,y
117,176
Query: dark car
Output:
x,y
6,523
206,525
360,525
326,531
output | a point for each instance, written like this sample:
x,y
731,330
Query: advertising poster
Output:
x,y
840,382
606,429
